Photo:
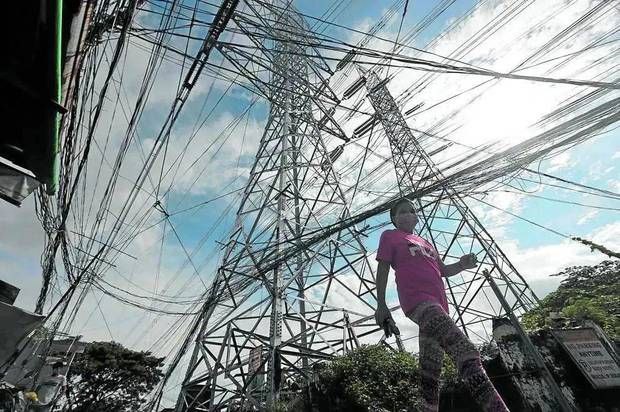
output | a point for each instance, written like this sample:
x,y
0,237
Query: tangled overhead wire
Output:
x,y
101,211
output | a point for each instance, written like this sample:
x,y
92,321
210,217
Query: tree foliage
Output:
x,y
370,378
587,293
109,377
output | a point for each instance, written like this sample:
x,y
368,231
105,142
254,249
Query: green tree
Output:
x,y
587,293
369,378
108,377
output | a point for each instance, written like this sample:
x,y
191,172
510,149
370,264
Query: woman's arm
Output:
x,y
382,314
383,268
450,270
465,262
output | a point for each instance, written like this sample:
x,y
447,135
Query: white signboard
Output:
x,y
256,359
591,356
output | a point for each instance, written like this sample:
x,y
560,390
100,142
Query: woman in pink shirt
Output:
x,y
419,272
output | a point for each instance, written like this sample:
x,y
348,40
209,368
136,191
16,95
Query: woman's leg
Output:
x,y
431,360
436,323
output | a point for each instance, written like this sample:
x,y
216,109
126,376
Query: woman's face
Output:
x,y
405,217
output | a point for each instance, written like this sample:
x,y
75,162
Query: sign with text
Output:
x,y
591,356
256,366
256,358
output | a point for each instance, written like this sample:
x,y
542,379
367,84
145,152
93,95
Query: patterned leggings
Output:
x,y
439,333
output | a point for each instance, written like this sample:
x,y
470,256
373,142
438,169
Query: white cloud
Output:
x,y
210,160
614,185
587,217
560,161
493,212
616,155
507,109
539,262
598,170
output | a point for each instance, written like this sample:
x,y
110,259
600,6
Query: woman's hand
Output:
x,y
383,317
382,313
469,261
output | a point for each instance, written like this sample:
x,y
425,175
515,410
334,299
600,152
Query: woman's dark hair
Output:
x,y
394,208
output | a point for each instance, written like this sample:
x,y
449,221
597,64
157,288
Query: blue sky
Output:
x,y
536,252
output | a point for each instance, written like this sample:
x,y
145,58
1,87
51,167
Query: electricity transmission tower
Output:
x,y
279,321
261,327
448,223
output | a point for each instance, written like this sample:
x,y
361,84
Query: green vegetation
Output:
x,y
374,378
587,293
371,377
108,377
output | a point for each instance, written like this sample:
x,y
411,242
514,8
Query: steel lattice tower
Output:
x,y
260,327
448,223
255,318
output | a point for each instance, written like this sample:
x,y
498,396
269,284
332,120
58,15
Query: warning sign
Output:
x,y
256,359
591,356
256,367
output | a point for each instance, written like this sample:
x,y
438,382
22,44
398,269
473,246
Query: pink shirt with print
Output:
x,y
415,261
